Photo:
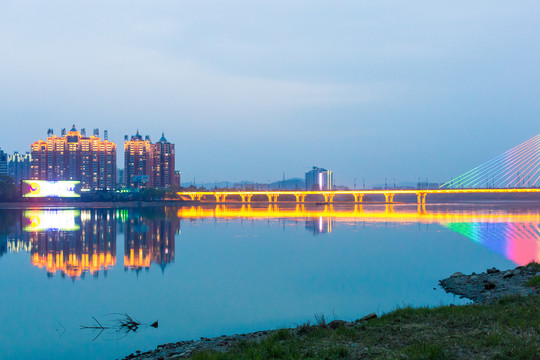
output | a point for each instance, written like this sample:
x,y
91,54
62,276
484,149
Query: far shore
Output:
x,y
90,204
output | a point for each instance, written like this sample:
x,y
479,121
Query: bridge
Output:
x,y
515,171
357,196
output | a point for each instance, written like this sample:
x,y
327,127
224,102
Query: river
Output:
x,y
208,271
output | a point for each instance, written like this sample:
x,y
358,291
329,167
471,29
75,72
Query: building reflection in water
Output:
x,y
71,242
149,238
320,225
75,243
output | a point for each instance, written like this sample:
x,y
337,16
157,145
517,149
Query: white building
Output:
x,y
319,179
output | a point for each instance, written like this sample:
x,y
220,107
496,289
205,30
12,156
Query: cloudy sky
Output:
x,y
254,89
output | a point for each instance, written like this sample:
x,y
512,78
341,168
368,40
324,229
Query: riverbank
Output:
x,y
18,205
502,323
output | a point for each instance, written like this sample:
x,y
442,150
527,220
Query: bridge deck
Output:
x,y
300,196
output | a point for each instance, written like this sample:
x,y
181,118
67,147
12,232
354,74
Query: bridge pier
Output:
x,y
358,198
421,198
389,198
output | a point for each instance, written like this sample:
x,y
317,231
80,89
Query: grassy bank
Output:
x,y
508,329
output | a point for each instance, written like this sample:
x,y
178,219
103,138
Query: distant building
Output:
x,y
163,163
319,179
73,156
147,164
120,177
177,178
20,166
3,163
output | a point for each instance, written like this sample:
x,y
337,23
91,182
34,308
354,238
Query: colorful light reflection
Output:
x,y
50,220
518,242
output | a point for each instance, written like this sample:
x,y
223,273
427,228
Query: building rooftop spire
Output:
x,y
163,136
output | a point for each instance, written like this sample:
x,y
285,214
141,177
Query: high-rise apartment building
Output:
x,y
147,164
137,161
3,163
19,166
163,163
74,156
319,179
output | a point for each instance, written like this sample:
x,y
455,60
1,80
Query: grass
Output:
x,y
508,329
534,281
534,266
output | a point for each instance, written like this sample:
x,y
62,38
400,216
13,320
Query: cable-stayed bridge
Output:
x,y
515,171
518,167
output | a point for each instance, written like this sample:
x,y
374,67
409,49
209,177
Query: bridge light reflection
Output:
x,y
516,236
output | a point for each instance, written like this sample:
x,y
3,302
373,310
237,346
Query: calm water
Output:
x,y
213,271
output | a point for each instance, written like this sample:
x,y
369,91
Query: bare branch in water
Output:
x,y
125,324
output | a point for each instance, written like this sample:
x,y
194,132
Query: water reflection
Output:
x,y
71,242
513,234
79,242
74,243
518,242
320,225
149,239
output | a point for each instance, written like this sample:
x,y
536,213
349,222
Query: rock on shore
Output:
x,y
493,284
184,349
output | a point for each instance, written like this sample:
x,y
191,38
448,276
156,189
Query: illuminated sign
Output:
x,y
43,189
47,220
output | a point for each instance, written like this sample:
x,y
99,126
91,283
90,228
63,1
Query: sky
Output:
x,y
257,89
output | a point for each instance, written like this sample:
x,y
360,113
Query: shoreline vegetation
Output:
x,y
503,322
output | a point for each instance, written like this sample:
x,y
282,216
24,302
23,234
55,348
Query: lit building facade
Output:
x,y
20,166
147,164
137,161
163,163
319,179
73,156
